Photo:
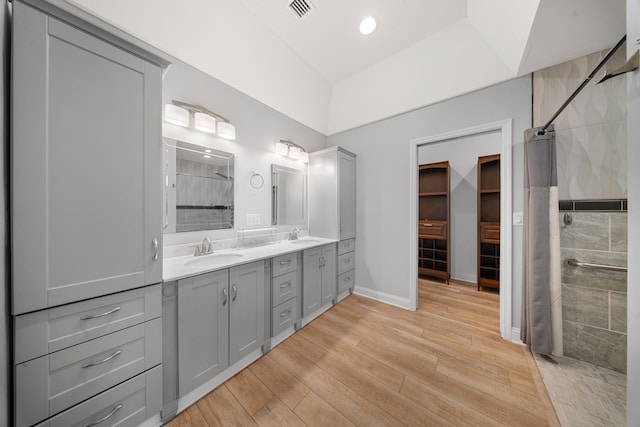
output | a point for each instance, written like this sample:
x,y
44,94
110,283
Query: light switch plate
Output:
x,y
517,218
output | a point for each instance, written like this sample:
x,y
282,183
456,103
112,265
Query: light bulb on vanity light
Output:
x,y
296,153
282,149
226,130
176,115
204,122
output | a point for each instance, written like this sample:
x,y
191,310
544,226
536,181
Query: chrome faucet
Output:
x,y
205,248
294,234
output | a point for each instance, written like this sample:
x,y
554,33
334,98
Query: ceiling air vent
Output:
x,y
301,8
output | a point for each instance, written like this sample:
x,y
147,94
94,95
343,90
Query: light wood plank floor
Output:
x,y
369,364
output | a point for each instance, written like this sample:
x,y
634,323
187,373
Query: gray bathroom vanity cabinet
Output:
x,y
86,220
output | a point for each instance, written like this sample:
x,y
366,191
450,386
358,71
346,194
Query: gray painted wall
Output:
x,y
462,155
633,276
4,278
383,173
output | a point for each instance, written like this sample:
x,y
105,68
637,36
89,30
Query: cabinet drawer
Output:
x,y
346,280
283,316
47,331
490,232
128,404
346,262
433,229
285,264
284,288
346,246
55,382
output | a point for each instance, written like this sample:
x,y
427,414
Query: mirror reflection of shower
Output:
x,y
198,187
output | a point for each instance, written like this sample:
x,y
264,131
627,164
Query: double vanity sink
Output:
x,y
185,266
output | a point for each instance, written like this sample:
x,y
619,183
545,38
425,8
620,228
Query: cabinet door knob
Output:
x,y
154,242
225,296
234,292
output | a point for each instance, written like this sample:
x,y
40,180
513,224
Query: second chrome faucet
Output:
x,y
205,249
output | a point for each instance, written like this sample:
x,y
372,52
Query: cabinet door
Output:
x,y
329,274
246,316
85,165
312,281
347,195
203,328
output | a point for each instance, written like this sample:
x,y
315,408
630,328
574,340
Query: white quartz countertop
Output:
x,y
185,266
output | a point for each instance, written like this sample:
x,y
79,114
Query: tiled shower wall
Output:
x,y
591,140
591,133
594,302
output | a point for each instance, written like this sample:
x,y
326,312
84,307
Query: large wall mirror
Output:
x,y
198,187
288,196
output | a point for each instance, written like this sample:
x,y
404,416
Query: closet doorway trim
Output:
x,y
506,223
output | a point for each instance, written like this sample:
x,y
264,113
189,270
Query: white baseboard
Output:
x,y
515,336
383,297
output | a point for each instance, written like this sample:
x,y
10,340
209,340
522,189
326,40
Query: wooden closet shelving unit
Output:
x,y
489,221
433,221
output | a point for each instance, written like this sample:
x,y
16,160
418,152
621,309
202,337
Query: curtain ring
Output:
x,y
256,181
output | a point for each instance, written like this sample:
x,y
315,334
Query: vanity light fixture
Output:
x,y
176,115
368,25
204,120
290,149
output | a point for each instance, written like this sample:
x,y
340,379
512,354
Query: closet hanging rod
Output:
x,y
582,85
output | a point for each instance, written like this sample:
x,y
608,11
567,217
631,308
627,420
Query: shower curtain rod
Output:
x,y
582,85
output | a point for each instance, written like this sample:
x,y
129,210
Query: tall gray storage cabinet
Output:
x,y
86,221
332,207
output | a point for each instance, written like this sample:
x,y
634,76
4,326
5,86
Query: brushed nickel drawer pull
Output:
x,y
285,262
347,260
428,225
154,243
105,418
285,284
96,316
347,279
285,314
100,362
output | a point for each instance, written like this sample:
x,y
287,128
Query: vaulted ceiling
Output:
x,y
321,71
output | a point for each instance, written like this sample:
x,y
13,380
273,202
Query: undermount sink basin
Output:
x,y
303,241
213,259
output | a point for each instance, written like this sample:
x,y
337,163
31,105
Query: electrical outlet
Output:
x,y
253,219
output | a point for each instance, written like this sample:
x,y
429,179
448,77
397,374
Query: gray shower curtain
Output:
x,y
541,325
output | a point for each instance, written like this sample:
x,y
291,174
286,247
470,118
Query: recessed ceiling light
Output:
x,y
368,25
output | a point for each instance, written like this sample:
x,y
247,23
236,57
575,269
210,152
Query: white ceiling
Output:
x,y
320,71
328,37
